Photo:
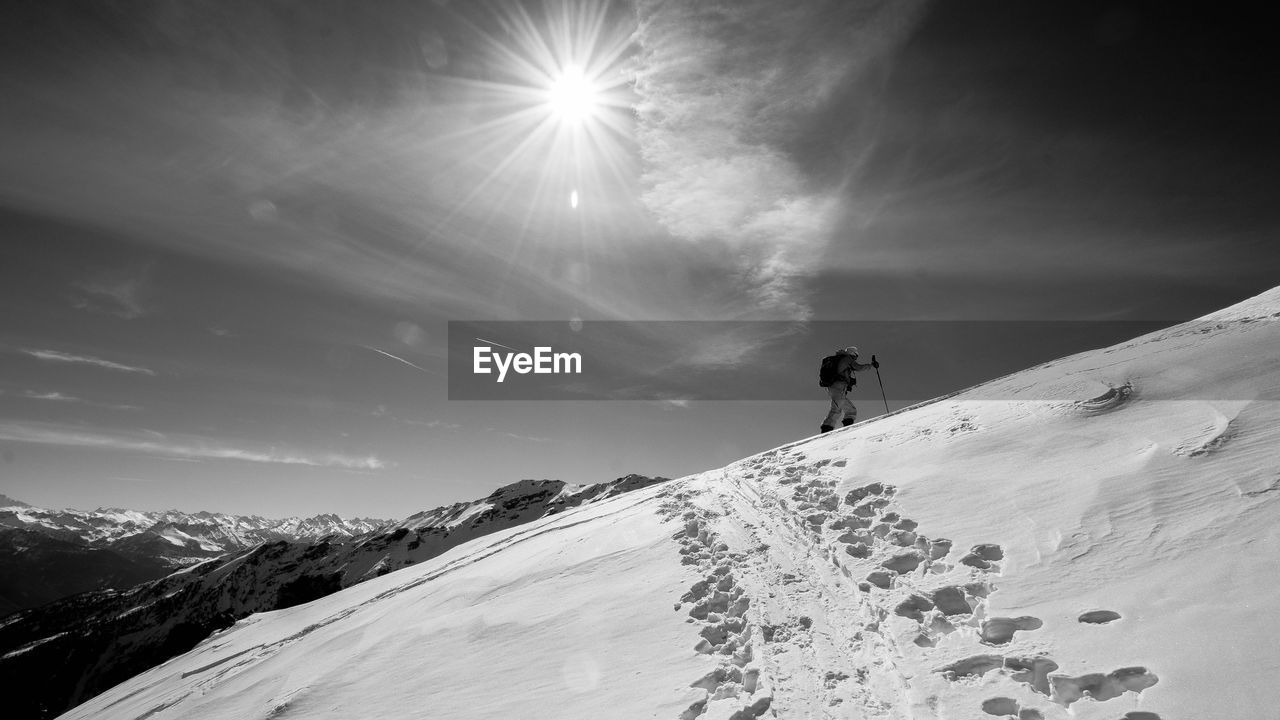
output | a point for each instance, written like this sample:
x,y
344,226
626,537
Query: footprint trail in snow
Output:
x,y
819,598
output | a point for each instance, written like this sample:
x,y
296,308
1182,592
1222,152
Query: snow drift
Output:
x,y
1101,542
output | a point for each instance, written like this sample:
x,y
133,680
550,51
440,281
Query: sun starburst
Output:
x,y
552,97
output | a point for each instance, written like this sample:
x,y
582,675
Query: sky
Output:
x,y
236,234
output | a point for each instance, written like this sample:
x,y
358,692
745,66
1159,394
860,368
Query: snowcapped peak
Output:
x,y
213,533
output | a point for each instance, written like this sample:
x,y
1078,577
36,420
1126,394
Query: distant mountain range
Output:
x,y
49,554
68,651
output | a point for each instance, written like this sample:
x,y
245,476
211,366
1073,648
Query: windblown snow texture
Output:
x,y
1102,545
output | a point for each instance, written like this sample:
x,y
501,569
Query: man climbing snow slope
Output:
x,y
836,375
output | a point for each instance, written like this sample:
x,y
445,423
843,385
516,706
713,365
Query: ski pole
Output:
x,y
882,396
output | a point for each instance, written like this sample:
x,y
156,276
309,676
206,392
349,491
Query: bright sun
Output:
x,y
554,107
572,97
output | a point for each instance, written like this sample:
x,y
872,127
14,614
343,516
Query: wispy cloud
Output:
x,y
400,360
177,447
56,356
731,93
498,344
516,436
115,292
72,399
434,424
51,396
382,412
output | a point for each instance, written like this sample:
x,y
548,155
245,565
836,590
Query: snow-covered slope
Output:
x,y
70,650
1094,538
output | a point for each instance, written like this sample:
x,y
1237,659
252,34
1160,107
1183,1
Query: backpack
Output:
x,y
827,373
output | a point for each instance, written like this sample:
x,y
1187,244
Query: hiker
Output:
x,y
836,375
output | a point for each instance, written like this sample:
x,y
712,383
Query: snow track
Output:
x,y
815,653
821,600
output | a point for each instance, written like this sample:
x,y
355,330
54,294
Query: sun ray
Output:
x,y
547,141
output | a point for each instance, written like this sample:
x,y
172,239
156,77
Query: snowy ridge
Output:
x,y
1053,555
202,531
555,494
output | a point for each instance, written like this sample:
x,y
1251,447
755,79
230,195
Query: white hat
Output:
x,y
850,350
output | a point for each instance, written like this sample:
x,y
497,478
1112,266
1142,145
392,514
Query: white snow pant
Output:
x,y
841,407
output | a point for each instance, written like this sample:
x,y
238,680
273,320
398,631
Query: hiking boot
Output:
x,y
827,428
849,421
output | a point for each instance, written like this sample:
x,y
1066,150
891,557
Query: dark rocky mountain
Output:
x,y
68,651
36,569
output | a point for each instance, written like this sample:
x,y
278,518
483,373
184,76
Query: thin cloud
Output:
x,y
515,436
730,94
382,412
56,356
433,424
400,359
497,344
64,398
114,292
51,396
188,448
